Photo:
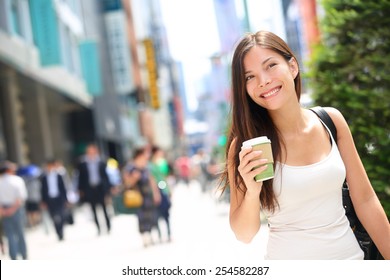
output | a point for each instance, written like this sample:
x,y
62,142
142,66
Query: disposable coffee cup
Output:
x,y
262,144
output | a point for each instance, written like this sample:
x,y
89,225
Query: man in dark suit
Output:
x,y
54,198
93,182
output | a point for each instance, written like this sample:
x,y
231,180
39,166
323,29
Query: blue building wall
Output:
x,y
45,31
90,66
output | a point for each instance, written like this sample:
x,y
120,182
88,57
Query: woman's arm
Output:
x,y
366,203
245,206
131,177
155,190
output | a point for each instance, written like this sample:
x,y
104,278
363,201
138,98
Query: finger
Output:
x,y
255,164
244,151
258,171
247,158
251,160
254,168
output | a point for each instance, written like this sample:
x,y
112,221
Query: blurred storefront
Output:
x,y
42,90
66,79
155,74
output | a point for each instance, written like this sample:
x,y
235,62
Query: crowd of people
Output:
x,y
48,196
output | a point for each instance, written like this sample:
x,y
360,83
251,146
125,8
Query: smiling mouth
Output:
x,y
271,92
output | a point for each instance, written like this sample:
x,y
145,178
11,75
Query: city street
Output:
x,y
201,240
200,233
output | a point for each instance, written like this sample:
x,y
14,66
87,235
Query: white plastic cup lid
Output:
x,y
256,141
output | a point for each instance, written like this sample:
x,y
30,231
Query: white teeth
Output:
x,y
271,93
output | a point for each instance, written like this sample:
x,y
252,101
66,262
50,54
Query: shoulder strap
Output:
x,y
347,202
323,115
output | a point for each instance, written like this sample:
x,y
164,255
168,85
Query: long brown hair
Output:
x,y
249,119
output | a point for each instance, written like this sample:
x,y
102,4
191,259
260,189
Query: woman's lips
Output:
x,y
271,92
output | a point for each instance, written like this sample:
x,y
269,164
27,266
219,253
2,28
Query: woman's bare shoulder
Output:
x,y
337,118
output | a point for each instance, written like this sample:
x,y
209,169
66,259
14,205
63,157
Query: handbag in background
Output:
x,y
370,250
132,198
127,202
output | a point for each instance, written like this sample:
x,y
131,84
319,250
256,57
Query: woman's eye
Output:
x,y
248,78
271,65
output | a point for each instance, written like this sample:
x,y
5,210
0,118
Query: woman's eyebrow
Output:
x,y
268,59
264,62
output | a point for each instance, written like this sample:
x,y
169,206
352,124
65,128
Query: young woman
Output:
x,y
136,174
303,203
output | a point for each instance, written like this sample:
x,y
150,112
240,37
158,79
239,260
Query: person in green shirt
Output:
x,y
159,168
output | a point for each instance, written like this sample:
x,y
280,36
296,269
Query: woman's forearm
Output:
x,y
374,220
245,220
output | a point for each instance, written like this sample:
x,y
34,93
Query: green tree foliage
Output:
x,y
350,70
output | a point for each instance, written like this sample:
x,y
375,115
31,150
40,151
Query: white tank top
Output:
x,y
310,222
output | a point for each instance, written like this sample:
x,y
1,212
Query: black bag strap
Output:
x,y
324,116
347,202
365,241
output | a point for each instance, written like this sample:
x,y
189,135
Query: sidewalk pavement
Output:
x,y
199,225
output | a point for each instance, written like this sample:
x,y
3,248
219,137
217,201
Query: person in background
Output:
x,y
93,183
71,192
136,174
53,192
303,202
30,175
183,167
115,178
114,174
13,195
160,170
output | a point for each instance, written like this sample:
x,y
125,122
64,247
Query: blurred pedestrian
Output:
x,y
200,162
115,178
136,174
114,175
31,176
183,167
13,195
71,192
54,197
160,170
93,183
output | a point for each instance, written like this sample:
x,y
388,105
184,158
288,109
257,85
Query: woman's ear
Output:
x,y
293,67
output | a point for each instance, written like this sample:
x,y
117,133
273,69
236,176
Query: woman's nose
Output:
x,y
263,81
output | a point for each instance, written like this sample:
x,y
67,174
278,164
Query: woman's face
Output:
x,y
142,160
269,77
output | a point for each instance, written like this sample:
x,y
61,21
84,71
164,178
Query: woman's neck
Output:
x,y
290,121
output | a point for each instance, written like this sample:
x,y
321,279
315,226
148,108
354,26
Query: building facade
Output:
x,y
44,98
156,76
73,72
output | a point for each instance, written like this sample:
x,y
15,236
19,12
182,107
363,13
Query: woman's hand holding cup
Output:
x,y
256,163
252,164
